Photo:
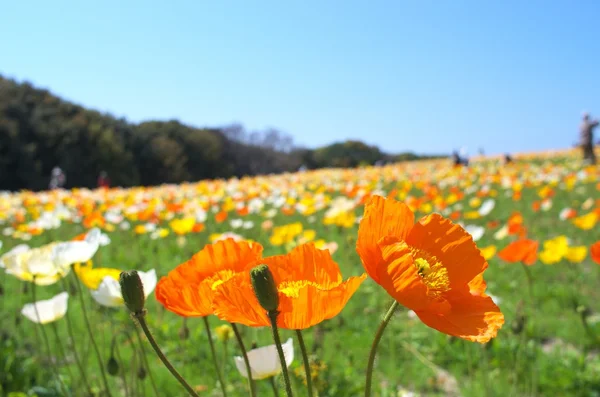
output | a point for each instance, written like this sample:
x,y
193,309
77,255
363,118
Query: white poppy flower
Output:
x,y
248,225
68,253
264,361
475,231
109,291
10,255
487,207
49,310
236,223
501,233
34,265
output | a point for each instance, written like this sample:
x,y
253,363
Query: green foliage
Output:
x,y
39,131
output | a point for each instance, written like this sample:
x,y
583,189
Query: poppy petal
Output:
x,y
224,254
305,262
400,277
234,301
474,318
310,304
523,250
450,244
182,298
595,252
382,217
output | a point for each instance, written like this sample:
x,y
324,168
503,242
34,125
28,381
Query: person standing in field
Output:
x,y
57,178
586,130
103,180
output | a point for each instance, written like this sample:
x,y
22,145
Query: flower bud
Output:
x,y
141,373
112,366
264,287
224,332
132,290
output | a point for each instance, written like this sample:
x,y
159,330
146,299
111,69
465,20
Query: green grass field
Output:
x,y
548,345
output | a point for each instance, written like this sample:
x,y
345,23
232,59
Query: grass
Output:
x,y
551,355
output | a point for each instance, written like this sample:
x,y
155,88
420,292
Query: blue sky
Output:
x,y
426,76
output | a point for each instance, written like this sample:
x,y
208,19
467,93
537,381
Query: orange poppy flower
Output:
x,y
187,290
595,252
432,267
310,290
523,250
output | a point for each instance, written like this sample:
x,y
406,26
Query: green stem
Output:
x,y
91,335
306,362
240,341
145,360
115,350
140,317
274,386
74,345
214,355
529,284
61,349
273,317
45,337
378,334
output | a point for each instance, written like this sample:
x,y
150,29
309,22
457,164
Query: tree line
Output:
x,y
39,131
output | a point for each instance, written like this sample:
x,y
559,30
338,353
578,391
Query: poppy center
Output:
x,y
432,271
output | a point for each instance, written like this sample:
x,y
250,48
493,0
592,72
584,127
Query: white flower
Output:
x,y
125,225
475,231
236,223
49,310
264,361
11,255
70,252
501,233
248,225
34,265
109,291
487,207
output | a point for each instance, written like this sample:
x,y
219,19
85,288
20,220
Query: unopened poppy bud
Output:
x,y
264,287
112,366
132,290
224,332
141,373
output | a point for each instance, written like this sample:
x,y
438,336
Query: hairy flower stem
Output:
x,y
306,363
214,355
91,335
145,361
273,317
61,349
378,334
240,341
274,386
74,345
45,337
140,317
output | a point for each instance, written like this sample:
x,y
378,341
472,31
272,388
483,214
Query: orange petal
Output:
x,y
477,286
234,301
222,255
307,263
382,217
400,277
474,318
182,299
595,252
451,245
523,250
311,304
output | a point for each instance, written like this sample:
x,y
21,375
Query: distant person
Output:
x,y
57,179
586,130
507,159
103,180
456,160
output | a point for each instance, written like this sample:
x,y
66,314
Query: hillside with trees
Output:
x,y
39,131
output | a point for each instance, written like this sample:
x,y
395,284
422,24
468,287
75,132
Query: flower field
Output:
x,y
476,281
